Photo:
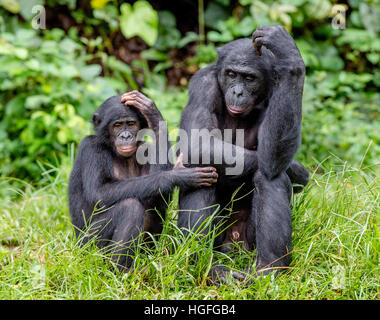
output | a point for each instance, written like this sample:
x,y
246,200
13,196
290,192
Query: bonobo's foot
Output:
x,y
142,271
261,272
220,274
244,278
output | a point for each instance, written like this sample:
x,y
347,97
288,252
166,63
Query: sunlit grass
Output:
x,y
335,249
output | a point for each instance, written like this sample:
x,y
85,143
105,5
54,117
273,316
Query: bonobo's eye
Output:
x,y
117,124
131,123
231,74
250,78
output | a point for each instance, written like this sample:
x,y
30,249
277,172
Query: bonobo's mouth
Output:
x,y
233,110
126,151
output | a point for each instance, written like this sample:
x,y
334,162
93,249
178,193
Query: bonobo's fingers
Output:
x,y
136,102
257,41
139,99
196,177
206,176
276,39
143,104
179,162
206,169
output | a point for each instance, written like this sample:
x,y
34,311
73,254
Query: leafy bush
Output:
x,y
51,80
340,119
46,92
139,19
341,95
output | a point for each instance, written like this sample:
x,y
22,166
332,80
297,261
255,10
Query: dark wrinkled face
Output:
x,y
243,89
243,77
123,133
117,125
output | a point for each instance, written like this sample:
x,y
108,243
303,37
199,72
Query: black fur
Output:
x,y
256,86
129,192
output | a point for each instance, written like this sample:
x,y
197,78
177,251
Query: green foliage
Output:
x,y
231,28
170,103
344,120
206,54
23,7
51,81
335,249
168,36
341,96
47,91
139,20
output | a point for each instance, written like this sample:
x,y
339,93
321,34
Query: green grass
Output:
x,y
335,249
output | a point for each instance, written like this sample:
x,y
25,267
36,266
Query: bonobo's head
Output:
x,y
117,125
244,77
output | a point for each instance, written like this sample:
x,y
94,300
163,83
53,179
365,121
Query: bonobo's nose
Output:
x,y
126,135
238,91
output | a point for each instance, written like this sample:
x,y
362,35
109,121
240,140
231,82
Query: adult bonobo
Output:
x,y
256,87
107,173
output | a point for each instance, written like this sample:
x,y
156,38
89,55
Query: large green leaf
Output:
x,y
139,20
26,7
10,5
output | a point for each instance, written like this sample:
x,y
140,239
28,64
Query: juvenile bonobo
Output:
x,y
107,173
255,86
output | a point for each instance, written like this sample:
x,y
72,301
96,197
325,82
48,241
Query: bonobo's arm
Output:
x,y
155,122
279,134
98,183
205,99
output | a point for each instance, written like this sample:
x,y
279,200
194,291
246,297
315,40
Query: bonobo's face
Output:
x,y
123,133
117,125
242,78
243,89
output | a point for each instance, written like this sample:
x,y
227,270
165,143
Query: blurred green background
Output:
x,y
52,79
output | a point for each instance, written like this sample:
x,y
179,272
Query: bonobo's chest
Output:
x,y
250,127
128,168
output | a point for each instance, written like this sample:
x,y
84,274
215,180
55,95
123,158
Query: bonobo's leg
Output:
x,y
195,207
251,223
99,228
128,222
115,229
273,225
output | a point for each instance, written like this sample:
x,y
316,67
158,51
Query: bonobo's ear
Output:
x,y
222,52
96,119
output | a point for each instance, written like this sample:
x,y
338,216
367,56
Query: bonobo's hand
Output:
x,y
277,40
194,177
144,105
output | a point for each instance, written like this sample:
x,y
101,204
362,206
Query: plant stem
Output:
x,y
201,21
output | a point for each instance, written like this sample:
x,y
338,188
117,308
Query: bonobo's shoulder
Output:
x,y
204,76
87,141
91,150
